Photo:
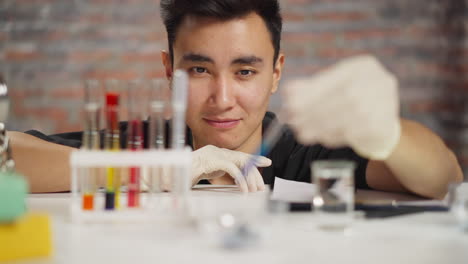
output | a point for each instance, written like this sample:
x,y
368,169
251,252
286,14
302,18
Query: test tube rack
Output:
x,y
177,162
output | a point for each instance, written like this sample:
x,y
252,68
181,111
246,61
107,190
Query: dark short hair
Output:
x,y
173,13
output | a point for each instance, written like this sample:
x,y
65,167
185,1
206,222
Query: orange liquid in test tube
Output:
x,y
88,202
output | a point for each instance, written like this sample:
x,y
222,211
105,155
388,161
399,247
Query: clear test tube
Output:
x,y
91,140
181,182
92,115
137,94
179,107
159,106
4,101
112,143
158,109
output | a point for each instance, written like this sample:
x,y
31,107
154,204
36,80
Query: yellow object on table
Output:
x,y
27,237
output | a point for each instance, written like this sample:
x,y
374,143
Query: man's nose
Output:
x,y
223,96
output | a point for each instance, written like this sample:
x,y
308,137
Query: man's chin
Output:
x,y
233,140
223,142
226,145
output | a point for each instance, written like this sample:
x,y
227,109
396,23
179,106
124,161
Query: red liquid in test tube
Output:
x,y
135,144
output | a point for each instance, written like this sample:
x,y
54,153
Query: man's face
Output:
x,y
230,64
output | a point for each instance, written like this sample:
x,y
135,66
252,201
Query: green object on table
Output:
x,y
13,191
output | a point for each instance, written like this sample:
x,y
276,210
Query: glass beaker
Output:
x,y
459,204
333,200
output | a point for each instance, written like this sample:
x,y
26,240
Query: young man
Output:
x,y
231,50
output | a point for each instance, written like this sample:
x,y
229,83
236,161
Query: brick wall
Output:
x,y
47,47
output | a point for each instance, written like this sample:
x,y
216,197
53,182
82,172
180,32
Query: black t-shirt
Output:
x,y
290,159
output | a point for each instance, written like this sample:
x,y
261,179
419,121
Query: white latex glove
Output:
x,y
211,162
354,103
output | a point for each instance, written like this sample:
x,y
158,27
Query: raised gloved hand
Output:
x,y
353,103
211,162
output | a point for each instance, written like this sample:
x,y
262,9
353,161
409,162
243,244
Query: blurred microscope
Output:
x,y
22,234
13,187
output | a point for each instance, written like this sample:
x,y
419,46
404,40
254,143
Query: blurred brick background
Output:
x,y
48,47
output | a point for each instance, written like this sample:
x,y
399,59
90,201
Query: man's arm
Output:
x,y
45,165
421,163
355,103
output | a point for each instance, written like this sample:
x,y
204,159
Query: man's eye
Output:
x,y
199,70
246,72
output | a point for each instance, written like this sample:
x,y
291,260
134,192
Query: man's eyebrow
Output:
x,y
248,60
194,57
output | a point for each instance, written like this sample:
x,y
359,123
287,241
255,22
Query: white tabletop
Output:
x,y
288,238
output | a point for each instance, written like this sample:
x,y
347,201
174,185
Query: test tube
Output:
x,y
92,115
136,92
4,101
159,104
181,184
179,106
112,143
91,140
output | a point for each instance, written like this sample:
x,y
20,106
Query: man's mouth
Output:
x,y
222,123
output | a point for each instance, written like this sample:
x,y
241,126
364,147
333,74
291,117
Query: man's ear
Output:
x,y
166,60
277,71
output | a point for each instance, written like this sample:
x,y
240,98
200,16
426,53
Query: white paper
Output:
x,y
427,203
292,191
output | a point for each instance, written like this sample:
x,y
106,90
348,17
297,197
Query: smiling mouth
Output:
x,y
226,124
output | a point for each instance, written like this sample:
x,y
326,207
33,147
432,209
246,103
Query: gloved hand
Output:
x,y
354,103
211,162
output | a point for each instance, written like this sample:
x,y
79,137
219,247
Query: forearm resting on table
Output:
x,y
45,165
421,163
